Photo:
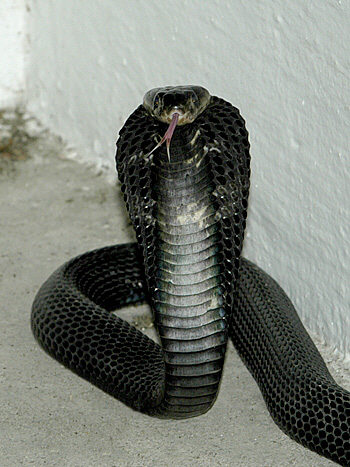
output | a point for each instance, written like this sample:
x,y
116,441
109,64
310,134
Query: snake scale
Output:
x,y
188,205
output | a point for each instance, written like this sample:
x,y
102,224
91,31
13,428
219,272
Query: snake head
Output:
x,y
186,101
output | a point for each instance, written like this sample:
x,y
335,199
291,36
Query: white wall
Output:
x,y
284,64
13,51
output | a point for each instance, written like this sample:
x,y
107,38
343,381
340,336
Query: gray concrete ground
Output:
x,y
52,209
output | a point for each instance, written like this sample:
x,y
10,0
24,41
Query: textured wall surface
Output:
x,y
284,64
13,51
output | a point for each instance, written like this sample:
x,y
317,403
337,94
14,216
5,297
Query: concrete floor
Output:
x,y
52,209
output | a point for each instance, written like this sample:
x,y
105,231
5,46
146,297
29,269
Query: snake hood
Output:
x,y
220,151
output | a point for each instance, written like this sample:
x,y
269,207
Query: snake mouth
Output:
x,y
184,117
168,116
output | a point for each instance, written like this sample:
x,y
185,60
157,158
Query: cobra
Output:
x,y
188,204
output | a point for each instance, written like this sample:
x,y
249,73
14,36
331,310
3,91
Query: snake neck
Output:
x,y
187,292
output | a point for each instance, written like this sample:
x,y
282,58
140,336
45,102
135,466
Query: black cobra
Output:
x,y
188,207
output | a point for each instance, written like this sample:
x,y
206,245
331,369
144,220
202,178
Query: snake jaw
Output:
x,y
169,133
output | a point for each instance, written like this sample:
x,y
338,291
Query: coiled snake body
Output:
x,y
188,205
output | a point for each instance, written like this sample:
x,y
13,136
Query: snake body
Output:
x,y
188,208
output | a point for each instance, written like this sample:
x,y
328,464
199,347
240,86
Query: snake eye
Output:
x,y
194,98
156,102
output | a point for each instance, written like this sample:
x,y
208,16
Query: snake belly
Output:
x,y
189,217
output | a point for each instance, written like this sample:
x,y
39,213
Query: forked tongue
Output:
x,y
168,135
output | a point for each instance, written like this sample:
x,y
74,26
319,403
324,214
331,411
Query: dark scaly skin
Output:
x,y
71,318
182,213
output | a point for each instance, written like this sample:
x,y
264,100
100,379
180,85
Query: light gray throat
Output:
x,y
188,299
